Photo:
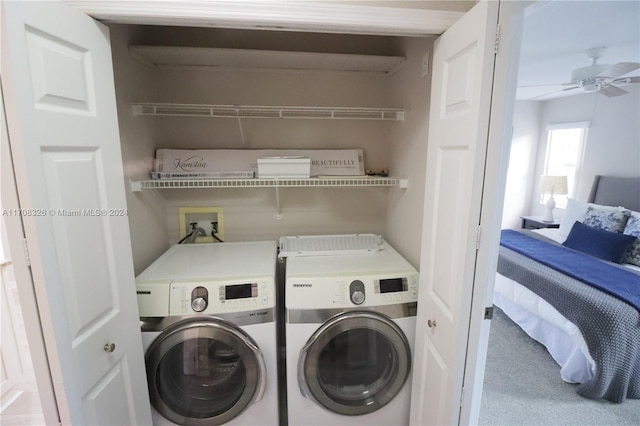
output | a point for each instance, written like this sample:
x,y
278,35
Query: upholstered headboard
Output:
x,y
616,191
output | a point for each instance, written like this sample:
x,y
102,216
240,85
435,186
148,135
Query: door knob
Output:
x,y
109,347
431,323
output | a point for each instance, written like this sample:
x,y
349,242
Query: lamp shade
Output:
x,y
555,185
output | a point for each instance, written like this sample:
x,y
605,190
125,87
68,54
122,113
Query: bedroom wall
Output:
x,y
612,146
520,174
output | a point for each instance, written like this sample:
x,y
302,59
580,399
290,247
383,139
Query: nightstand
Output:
x,y
535,222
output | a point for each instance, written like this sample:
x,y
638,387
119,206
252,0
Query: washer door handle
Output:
x,y
262,368
302,382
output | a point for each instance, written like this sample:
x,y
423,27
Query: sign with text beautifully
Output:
x,y
328,162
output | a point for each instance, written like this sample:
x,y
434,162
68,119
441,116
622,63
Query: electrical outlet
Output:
x,y
207,218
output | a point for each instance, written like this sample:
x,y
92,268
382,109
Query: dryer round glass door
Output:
x,y
204,371
355,363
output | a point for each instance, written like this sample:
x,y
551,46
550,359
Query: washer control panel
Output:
x,y
190,298
362,291
238,291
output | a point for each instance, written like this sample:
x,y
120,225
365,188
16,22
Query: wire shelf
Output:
x,y
322,182
285,112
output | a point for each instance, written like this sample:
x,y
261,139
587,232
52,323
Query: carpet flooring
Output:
x,y
522,386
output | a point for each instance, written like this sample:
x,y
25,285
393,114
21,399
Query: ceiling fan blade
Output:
x,y
619,69
544,85
612,91
571,88
545,95
625,80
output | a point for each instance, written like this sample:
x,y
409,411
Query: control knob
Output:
x,y
357,297
199,304
199,299
356,292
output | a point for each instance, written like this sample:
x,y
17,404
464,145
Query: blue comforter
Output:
x,y
616,281
610,325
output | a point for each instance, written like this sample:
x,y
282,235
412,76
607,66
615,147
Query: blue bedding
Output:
x,y
610,326
604,276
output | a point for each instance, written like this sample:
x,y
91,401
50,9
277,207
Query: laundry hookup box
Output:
x,y
330,162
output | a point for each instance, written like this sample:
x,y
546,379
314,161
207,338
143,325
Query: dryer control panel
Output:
x,y
345,292
219,297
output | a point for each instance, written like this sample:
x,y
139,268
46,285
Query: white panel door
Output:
x,y
61,112
463,63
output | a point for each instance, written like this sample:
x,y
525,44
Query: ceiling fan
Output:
x,y
603,78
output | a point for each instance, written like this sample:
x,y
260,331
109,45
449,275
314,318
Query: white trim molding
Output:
x,y
279,15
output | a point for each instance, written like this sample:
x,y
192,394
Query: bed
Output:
x,y
554,294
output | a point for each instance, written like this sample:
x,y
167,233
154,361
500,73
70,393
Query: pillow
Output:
x,y
605,245
613,221
632,255
605,208
573,213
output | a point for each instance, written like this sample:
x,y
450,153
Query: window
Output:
x,y
565,144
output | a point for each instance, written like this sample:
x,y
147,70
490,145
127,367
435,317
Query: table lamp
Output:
x,y
554,185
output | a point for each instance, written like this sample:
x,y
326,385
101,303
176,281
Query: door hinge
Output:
x,y
488,312
496,46
25,248
478,238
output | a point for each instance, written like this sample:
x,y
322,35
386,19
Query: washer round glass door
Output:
x,y
355,363
204,371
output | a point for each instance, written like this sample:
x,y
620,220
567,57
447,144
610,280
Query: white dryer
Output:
x,y
350,324
209,332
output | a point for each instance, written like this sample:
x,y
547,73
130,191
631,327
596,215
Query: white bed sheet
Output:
x,y
545,324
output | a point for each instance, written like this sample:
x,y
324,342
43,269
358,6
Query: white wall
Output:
x,y
409,151
250,214
613,140
457,5
520,174
612,146
135,82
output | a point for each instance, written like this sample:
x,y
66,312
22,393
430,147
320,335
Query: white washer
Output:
x,y
209,333
350,325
